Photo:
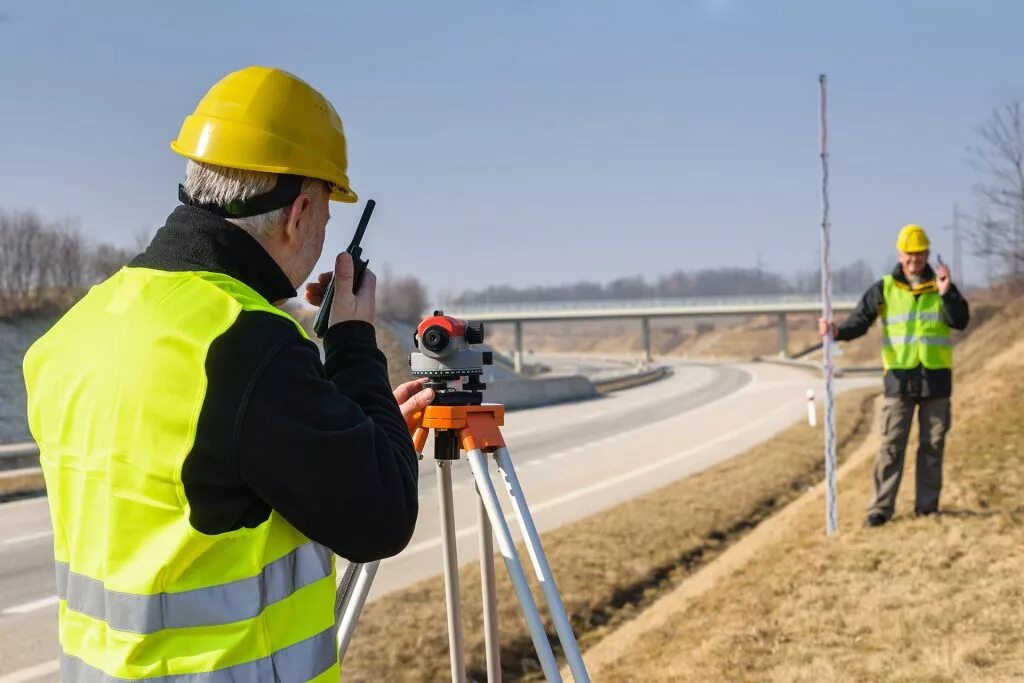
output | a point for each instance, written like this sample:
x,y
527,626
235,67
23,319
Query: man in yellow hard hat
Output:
x,y
203,466
918,307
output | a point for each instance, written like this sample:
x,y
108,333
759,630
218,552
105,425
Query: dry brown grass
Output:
x,y
608,566
930,599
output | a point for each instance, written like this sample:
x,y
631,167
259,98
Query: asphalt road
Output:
x,y
572,460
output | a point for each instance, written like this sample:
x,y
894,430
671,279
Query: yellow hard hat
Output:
x,y
912,239
265,119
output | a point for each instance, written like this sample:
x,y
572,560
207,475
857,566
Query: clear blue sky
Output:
x,y
535,142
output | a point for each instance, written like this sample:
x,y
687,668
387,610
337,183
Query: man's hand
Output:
x,y
315,290
827,328
345,306
412,398
942,278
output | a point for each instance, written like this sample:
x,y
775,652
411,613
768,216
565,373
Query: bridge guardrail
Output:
x,y
673,302
18,450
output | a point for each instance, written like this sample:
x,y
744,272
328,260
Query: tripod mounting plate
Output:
x,y
476,425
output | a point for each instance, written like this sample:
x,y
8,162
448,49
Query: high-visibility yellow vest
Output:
x,y
114,394
914,330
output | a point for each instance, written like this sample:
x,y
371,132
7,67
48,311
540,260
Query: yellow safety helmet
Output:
x,y
912,239
265,119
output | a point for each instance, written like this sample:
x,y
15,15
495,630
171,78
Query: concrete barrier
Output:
x,y
606,386
21,481
532,393
18,450
15,456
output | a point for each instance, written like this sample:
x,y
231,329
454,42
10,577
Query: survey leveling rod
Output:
x,y
828,368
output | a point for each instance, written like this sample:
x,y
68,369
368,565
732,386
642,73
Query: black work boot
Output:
x,y
876,519
925,512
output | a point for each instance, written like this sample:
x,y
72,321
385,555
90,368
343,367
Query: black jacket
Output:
x,y
323,444
920,381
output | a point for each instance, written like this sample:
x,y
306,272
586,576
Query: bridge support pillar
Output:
x,y
645,330
783,337
517,356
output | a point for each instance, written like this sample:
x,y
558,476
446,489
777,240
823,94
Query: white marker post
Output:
x,y
812,414
826,313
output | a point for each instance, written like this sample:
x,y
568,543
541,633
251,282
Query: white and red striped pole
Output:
x,y
826,312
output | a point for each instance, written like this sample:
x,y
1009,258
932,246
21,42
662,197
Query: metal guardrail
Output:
x,y
606,386
645,308
18,450
656,303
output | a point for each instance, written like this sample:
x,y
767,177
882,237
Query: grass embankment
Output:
x,y
920,599
608,566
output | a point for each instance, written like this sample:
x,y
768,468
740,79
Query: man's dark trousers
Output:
x,y
897,415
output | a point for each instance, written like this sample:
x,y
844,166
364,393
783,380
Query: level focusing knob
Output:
x,y
474,333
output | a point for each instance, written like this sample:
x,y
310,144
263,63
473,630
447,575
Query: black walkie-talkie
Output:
x,y
324,314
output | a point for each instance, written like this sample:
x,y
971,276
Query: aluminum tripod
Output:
x,y
474,429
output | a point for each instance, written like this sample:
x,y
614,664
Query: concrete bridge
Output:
x,y
645,309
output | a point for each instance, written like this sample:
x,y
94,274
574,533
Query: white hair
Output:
x,y
209,184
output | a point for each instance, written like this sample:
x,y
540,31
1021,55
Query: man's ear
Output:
x,y
297,212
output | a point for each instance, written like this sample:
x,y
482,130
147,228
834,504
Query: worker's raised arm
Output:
x,y
326,445
954,308
863,316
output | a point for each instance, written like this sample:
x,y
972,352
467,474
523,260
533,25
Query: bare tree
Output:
x,y
24,250
1000,158
50,264
107,260
401,298
69,260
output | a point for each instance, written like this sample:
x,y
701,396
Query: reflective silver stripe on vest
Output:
x,y
910,317
299,662
223,604
927,341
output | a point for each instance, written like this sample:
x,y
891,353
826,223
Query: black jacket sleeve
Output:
x,y
326,445
954,309
864,315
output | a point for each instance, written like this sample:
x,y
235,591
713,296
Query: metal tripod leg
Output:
x,y
541,566
451,570
515,568
490,594
351,598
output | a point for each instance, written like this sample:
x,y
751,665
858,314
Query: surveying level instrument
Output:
x,y
461,421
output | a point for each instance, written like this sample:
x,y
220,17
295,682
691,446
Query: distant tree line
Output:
x,y
49,264
709,282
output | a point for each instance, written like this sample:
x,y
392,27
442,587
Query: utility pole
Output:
x,y
958,273
957,246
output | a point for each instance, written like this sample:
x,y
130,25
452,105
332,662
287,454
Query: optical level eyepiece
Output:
x,y
435,338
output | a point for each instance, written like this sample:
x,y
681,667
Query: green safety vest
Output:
x,y
914,330
114,394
